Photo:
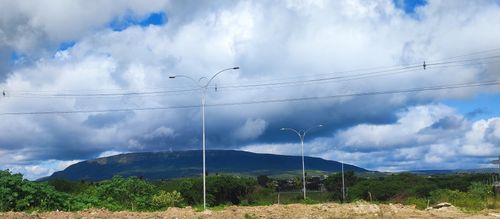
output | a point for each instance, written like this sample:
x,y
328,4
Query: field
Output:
x,y
326,210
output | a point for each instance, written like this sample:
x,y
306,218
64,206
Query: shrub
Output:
x,y
18,194
167,199
474,199
121,194
420,203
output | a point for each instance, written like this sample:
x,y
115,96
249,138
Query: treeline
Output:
x,y
17,194
469,191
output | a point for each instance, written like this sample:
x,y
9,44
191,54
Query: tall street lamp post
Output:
x,y
302,134
343,184
203,88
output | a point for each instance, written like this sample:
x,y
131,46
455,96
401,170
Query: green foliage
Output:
x,y
67,186
334,183
263,180
250,216
474,199
260,196
167,199
18,194
221,189
309,201
420,203
118,193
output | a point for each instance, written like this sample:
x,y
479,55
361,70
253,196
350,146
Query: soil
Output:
x,y
328,210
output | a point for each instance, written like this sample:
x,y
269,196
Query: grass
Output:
x,y
250,216
199,208
494,202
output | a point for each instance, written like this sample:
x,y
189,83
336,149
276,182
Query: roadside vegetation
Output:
x,y
470,192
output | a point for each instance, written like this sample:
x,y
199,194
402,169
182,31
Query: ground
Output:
x,y
329,210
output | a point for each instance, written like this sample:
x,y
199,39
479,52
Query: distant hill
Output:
x,y
167,165
437,172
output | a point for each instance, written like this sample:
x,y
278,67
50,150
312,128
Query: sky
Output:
x,y
85,79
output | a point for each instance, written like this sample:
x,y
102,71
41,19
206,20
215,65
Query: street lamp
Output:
x,y
203,88
343,182
302,134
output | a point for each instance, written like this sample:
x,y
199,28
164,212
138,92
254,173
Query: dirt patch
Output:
x,y
328,210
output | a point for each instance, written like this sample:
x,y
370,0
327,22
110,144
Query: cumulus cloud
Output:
x,y
416,140
417,125
34,29
40,169
272,42
482,139
252,129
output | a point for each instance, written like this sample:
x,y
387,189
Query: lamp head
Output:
x,y
171,77
236,68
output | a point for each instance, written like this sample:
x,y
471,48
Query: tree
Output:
x,y
167,199
131,193
333,183
262,180
18,194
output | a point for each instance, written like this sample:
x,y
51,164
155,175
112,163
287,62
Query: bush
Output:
x,y
122,194
420,203
18,194
474,199
167,199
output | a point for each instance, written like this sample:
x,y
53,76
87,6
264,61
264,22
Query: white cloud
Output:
x,y
292,40
41,169
109,153
482,140
423,137
161,132
285,149
406,131
252,129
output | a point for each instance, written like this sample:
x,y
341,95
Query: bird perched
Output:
x,y
3,93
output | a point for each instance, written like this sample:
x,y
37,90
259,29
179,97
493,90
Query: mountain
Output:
x,y
167,165
457,171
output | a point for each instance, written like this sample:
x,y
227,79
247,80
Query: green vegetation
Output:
x,y
18,194
167,199
466,191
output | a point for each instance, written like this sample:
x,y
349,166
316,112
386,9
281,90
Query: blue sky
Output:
x,y
122,23
119,55
409,6
481,106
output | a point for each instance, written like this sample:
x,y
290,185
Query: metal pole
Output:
x,y
203,94
343,187
302,135
303,166
204,170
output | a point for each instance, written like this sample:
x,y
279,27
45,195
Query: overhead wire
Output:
x,y
305,82
372,70
411,90
340,78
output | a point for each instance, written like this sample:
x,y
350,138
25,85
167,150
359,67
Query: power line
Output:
x,y
364,75
431,88
372,71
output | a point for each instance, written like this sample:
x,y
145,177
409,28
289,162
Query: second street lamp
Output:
x,y
302,134
203,88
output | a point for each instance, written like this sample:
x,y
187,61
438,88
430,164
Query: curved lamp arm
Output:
x,y
185,76
215,75
312,127
301,133
198,82
293,130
